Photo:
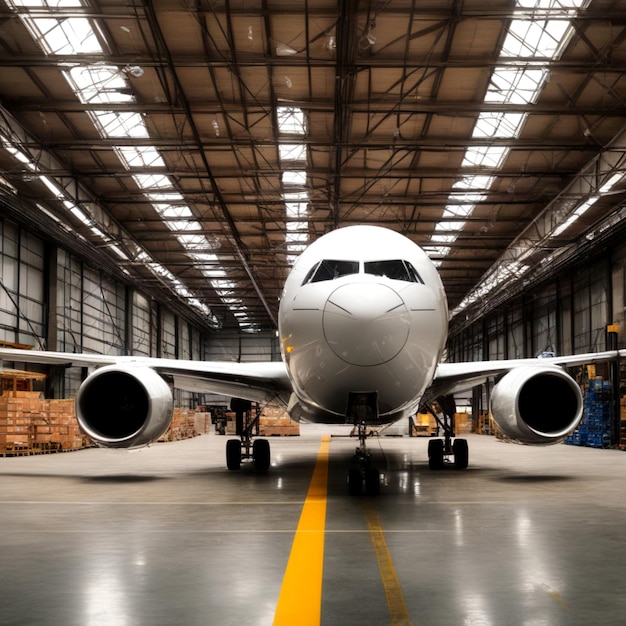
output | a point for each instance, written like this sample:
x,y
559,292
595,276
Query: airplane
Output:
x,y
363,323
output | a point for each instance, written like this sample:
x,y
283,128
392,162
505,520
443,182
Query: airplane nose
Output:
x,y
365,324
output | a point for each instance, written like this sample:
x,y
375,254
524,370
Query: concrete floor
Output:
x,y
167,535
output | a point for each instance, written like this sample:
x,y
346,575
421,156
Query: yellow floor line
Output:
x,y
300,599
393,591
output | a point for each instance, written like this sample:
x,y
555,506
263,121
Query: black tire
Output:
x,y
233,454
461,454
435,454
355,482
261,455
372,481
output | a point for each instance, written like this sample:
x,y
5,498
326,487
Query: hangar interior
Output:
x,y
163,164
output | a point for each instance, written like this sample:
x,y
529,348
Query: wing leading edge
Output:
x,y
259,382
453,377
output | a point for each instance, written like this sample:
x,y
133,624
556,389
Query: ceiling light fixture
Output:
x,y
134,70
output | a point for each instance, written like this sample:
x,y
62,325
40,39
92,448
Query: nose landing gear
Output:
x,y
363,477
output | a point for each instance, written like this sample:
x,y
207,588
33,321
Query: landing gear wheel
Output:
x,y
435,454
233,454
372,481
461,453
355,481
261,455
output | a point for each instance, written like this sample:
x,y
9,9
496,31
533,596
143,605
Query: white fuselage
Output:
x,y
363,310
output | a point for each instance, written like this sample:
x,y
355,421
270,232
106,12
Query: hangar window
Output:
x,y
331,269
396,270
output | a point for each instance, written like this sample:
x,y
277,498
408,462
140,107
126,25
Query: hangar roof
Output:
x,y
196,147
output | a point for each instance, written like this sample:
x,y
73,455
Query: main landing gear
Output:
x,y
441,450
244,448
363,477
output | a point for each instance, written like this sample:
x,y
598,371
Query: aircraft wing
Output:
x,y
259,382
451,377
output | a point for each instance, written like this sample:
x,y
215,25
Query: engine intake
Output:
x,y
537,404
124,406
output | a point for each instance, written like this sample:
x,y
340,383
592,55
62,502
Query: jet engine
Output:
x,y
537,404
124,406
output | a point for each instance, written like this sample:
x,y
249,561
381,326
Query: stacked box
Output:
x,y
486,425
424,425
463,423
31,425
275,422
186,423
622,423
231,424
65,431
202,421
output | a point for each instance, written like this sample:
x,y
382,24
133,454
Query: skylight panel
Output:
x,y
152,181
212,273
73,35
119,124
296,237
182,225
52,186
501,274
449,226
530,38
515,85
166,196
293,178
80,215
551,4
98,233
296,209
296,195
472,181
138,156
99,84
502,125
616,178
581,210
297,226
193,242
485,156
291,121
458,210
204,257
292,152
120,253
18,154
227,285
167,211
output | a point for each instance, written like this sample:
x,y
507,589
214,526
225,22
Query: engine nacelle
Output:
x,y
124,406
537,404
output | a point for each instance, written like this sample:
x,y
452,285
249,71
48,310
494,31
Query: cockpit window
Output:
x,y
331,269
396,270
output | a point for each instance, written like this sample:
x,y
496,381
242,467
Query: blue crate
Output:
x,y
577,438
598,440
597,384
